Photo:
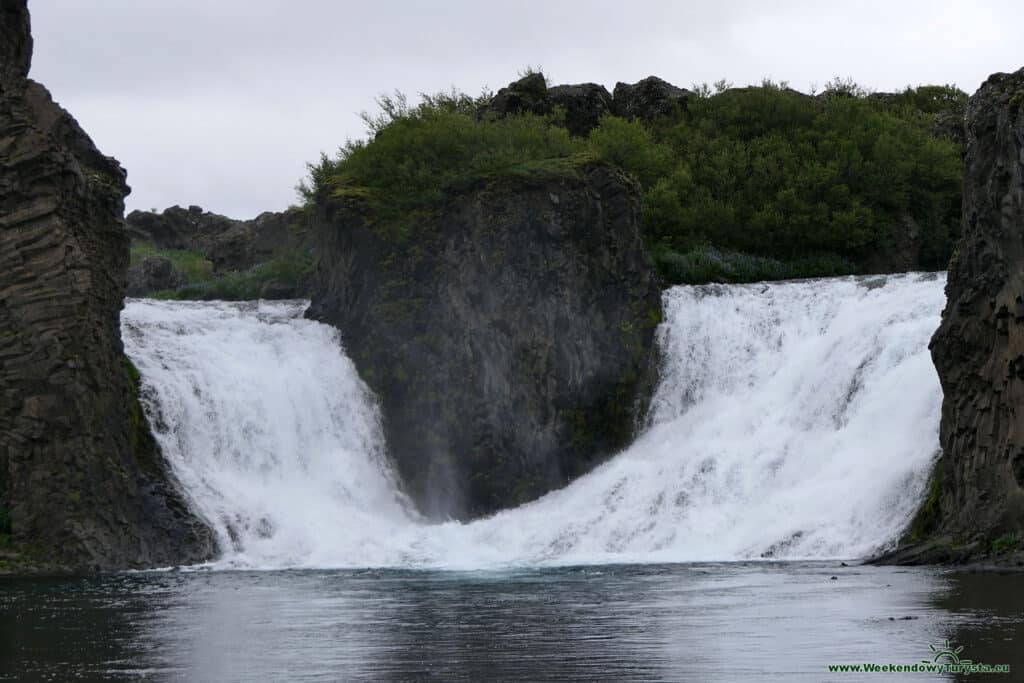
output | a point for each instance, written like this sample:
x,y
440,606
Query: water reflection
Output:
x,y
988,610
681,622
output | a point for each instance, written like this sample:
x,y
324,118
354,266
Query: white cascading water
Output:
x,y
793,421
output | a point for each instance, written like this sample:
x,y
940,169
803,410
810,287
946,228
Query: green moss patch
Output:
x,y
929,514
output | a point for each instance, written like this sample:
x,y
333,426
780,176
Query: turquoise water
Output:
x,y
706,622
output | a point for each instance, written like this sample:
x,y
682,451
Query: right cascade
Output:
x,y
793,420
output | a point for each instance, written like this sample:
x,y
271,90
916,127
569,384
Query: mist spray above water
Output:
x,y
792,420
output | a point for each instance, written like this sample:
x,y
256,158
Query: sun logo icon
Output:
x,y
945,650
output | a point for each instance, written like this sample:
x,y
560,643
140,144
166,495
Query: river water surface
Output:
x,y
793,424
700,622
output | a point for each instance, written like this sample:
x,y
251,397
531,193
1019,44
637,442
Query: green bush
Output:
x,y
1006,543
776,173
193,264
419,155
809,185
289,269
202,284
708,264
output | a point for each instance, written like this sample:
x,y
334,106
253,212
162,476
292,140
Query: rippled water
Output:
x,y
277,443
723,622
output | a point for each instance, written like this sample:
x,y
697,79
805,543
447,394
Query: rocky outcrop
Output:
x,y
649,99
154,274
528,95
585,103
231,245
82,483
15,43
509,339
977,493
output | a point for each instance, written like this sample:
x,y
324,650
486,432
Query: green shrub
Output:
x,y
419,155
928,515
290,269
1006,543
810,185
195,266
775,173
631,146
708,264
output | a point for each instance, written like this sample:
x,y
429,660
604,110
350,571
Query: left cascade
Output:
x,y
83,485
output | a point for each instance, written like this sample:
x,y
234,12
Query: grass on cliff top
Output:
x,y
421,154
203,285
195,266
816,183
288,269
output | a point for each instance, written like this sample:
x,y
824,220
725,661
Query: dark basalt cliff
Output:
x,y
976,504
508,334
82,483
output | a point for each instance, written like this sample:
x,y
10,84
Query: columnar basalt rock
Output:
x,y
978,491
509,336
82,483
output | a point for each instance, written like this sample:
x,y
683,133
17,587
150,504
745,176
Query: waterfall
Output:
x,y
793,420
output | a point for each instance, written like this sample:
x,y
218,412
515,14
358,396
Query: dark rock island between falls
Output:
x,y
509,338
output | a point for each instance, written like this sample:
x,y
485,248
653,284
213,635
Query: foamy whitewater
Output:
x,y
792,421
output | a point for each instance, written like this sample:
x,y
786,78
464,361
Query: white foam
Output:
x,y
793,420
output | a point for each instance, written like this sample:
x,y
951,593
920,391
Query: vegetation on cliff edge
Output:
x,y
287,269
747,183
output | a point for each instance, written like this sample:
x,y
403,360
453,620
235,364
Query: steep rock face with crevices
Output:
x,y
976,502
508,333
979,348
82,483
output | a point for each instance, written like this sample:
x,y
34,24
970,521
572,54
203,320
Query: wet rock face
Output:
x,y
81,479
509,338
979,348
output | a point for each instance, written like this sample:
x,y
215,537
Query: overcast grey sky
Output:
x,y
221,102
